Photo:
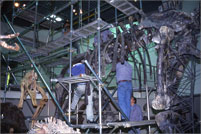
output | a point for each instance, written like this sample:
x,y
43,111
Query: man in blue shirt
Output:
x,y
124,91
136,113
79,69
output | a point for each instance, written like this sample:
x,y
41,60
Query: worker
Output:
x,y
77,70
124,82
135,114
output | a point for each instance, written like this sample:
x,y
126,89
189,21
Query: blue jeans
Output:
x,y
124,93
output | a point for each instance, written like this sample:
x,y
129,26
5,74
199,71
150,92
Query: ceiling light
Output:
x,y
24,5
74,10
16,4
53,16
81,11
58,19
135,0
111,1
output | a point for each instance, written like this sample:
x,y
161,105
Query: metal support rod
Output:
x,y
88,10
80,25
135,72
107,92
120,132
99,53
13,13
35,26
107,102
116,19
77,114
38,72
148,112
93,83
111,132
6,79
70,65
193,67
9,69
51,31
99,70
147,93
140,4
64,87
80,13
69,103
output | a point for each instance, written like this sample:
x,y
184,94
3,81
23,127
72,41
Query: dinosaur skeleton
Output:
x,y
178,27
5,45
175,34
30,87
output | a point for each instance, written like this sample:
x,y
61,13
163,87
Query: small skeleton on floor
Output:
x,y
5,45
52,126
30,87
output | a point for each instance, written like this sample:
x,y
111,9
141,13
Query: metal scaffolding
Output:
x,y
124,6
84,31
